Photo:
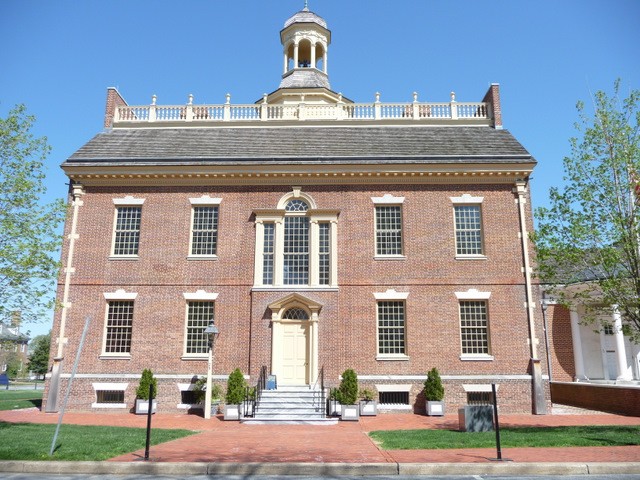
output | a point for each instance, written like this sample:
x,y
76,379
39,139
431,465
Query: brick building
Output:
x,y
318,233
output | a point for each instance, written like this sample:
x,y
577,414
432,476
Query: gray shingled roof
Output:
x,y
304,145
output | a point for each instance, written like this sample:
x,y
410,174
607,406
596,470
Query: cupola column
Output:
x,y
285,66
325,62
295,54
313,55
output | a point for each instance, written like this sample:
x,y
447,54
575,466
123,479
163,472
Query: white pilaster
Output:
x,y
624,369
578,359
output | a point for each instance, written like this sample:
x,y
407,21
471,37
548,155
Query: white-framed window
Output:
x,y
296,244
388,226
109,395
204,227
199,314
473,310
118,327
391,323
469,239
126,226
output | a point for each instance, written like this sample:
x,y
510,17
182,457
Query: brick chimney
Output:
x,y
493,98
114,100
16,319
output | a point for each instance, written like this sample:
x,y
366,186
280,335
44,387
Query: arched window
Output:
x,y
295,313
296,244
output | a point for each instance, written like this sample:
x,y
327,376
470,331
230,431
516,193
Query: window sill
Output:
x,y
288,288
124,257
387,358
476,358
120,356
471,257
199,357
108,405
202,257
390,257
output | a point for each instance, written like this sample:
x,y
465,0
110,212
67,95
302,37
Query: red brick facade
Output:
x,y
430,274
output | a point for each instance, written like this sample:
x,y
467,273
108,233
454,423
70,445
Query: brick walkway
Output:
x,y
346,442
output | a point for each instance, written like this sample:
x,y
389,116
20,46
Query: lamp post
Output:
x,y
212,332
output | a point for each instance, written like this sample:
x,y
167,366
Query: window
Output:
x,y
468,226
474,327
119,326
388,230
391,328
109,395
199,315
608,329
204,226
393,398
200,312
126,231
388,226
296,244
391,325
468,230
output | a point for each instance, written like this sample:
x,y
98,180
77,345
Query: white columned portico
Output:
x,y
578,359
624,369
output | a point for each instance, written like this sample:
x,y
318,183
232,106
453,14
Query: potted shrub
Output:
x,y
142,393
200,389
335,408
348,395
434,393
236,387
368,406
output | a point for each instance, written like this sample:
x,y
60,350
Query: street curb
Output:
x,y
329,469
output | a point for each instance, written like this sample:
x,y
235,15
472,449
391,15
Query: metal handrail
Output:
x,y
322,402
251,402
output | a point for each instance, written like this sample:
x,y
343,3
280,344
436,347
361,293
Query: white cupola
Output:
x,y
305,41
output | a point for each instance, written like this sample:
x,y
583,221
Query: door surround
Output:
x,y
278,321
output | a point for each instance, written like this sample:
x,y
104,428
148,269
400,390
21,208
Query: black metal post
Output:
x,y
495,416
149,411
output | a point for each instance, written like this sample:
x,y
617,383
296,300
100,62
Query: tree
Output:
x,y
587,241
28,236
39,359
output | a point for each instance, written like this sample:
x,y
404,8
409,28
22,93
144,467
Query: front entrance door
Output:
x,y
295,354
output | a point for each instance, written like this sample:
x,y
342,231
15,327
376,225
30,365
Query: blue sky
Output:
x,y
59,57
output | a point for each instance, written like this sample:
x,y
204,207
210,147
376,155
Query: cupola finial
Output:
x,y
306,6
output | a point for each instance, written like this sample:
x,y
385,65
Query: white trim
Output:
x,y
394,388
472,294
128,200
466,198
391,357
476,357
422,378
205,200
109,386
478,388
200,295
120,294
391,294
387,199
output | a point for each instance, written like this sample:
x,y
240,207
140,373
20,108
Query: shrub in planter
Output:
x,y
368,406
347,395
434,393
142,392
236,389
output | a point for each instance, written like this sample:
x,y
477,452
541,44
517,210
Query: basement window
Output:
x,y
109,395
394,397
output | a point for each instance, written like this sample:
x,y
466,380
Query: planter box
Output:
x,y
232,412
476,418
142,406
435,408
350,413
335,408
368,408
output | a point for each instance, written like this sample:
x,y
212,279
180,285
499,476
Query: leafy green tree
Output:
x,y
28,236
14,365
39,359
587,241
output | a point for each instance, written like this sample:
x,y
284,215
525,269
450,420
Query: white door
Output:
x,y
294,354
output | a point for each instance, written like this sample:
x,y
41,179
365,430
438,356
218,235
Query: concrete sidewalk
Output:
x,y
234,448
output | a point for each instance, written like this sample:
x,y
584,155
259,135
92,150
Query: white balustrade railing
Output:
x,y
291,112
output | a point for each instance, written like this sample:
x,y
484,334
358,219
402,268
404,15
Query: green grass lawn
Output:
x,y
16,399
586,436
32,441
